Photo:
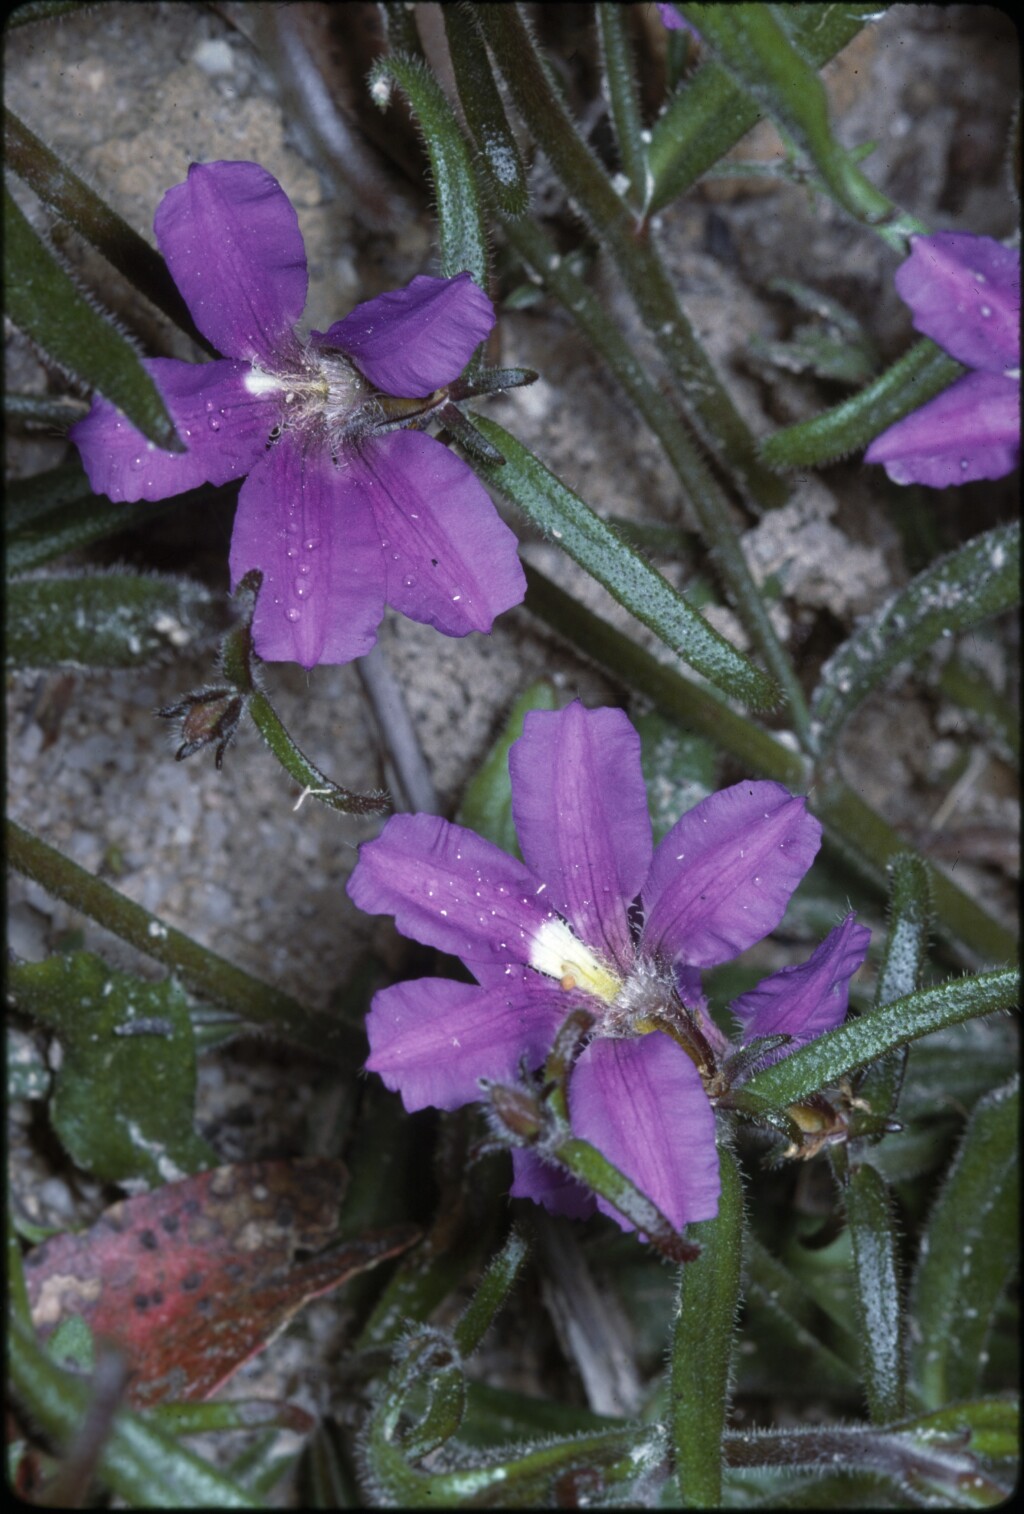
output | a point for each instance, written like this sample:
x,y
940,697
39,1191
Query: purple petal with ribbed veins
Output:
x,y
642,1104
224,427
232,242
449,888
809,998
411,341
549,1185
969,431
450,559
432,1039
964,292
580,810
304,523
722,877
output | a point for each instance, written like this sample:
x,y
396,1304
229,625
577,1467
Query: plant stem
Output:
x,y
202,970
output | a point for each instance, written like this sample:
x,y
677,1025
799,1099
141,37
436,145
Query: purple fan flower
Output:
x,y
674,21
964,292
341,512
598,918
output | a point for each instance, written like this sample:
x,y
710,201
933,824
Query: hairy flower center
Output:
x,y
642,1000
327,397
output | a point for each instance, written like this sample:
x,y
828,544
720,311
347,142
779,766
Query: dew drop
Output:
x,y
311,543
214,423
136,462
986,310
409,580
292,552
301,588
209,406
456,598
293,614
963,465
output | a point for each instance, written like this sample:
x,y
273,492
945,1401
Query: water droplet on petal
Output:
x,y
311,544
409,581
214,423
293,614
986,310
302,588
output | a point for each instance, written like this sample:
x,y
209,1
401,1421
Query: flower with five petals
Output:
x,y
597,918
343,510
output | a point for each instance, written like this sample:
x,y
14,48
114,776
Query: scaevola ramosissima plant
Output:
x,y
343,509
597,918
964,292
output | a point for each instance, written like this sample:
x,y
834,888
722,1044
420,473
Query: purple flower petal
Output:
x,y
232,241
304,523
722,877
222,424
549,1185
964,292
809,998
411,341
449,888
969,431
643,1105
580,809
674,21
450,559
431,1040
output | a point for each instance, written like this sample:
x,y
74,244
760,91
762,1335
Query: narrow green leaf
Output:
x,y
485,114
900,973
494,1288
103,620
124,1093
967,1254
487,803
621,86
83,209
711,113
589,541
44,303
702,1345
959,591
779,1294
198,967
851,1045
992,1423
141,1463
919,375
755,48
875,1240
461,227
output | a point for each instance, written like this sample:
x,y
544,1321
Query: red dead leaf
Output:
x,y
194,1279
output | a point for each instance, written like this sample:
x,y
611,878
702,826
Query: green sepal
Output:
x,y
487,803
103,620
480,99
968,1253
628,577
919,375
43,302
123,1096
959,591
461,227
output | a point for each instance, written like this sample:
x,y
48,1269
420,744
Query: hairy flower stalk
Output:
x,y
344,509
598,919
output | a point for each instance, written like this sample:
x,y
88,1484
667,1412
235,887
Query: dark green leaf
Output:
x,y
108,620
980,580
82,208
485,114
702,1344
44,303
56,512
872,1225
123,1096
756,50
487,803
566,518
968,1253
457,205
709,116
